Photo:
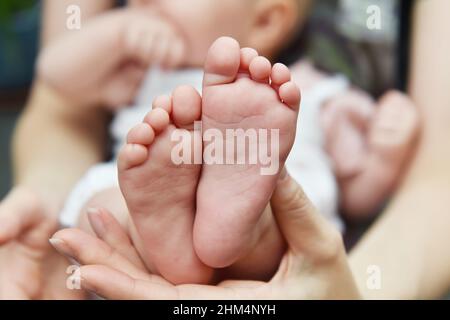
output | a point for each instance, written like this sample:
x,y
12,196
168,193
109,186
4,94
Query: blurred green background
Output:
x,y
19,29
7,120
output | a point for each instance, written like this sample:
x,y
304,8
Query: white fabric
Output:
x,y
307,163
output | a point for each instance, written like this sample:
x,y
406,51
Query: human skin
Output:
x,y
161,197
201,6
409,243
72,133
108,21
263,25
80,132
72,137
393,243
126,45
28,214
314,266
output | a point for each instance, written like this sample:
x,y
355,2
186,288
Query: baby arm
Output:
x,y
73,136
54,143
119,46
55,20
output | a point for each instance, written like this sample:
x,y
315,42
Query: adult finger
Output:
x,y
359,107
108,229
306,231
88,250
161,49
176,54
112,284
122,86
19,211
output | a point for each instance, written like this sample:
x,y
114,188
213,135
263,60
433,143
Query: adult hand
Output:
x,y
105,62
26,258
314,266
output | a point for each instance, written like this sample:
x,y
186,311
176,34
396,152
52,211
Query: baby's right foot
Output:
x,y
160,194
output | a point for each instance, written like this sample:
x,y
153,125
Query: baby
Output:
x,y
198,221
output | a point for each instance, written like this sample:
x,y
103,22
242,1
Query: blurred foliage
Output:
x,y
8,8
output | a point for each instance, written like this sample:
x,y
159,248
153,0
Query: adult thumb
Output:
x,y
304,229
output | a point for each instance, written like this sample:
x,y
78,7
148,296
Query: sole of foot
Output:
x,y
241,91
160,194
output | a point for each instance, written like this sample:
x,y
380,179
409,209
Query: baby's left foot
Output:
x,y
243,94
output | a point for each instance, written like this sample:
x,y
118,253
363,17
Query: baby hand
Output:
x,y
155,40
105,62
345,120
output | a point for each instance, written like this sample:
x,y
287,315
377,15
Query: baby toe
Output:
x,y
186,106
280,75
163,102
247,56
290,95
158,119
132,155
260,69
222,62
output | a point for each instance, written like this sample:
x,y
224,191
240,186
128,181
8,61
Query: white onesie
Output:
x,y
307,163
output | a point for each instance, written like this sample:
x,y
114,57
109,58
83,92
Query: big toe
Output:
x,y
222,62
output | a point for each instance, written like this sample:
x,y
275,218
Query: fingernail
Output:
x,y
96,220
61,247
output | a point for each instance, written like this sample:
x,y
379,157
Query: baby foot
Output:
x,y
160,195
241,90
